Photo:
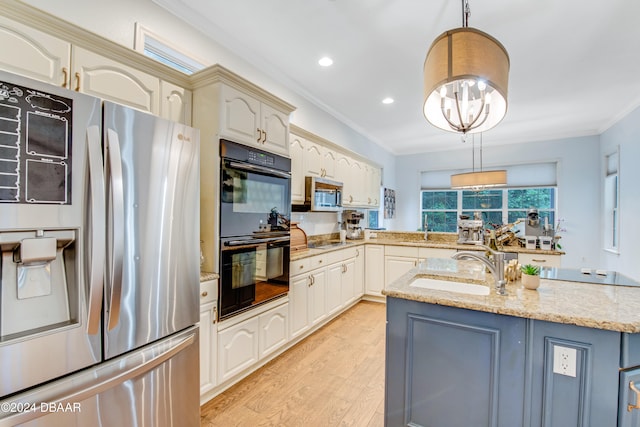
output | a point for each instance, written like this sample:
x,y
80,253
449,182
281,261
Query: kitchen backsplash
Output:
x,y
314,223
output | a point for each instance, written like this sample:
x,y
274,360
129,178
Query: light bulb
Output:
x,y
482,85
443,91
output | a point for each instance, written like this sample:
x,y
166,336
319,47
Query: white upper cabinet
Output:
x,y
274,126
240,116
343,174
313,160
96,75
247,120
373,181
297,152
329,163
116,77
175,103
34,54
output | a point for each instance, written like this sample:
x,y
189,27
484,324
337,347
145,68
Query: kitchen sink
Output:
x,y
449,286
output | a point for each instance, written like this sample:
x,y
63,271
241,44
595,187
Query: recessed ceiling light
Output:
x,y
325,61
387,100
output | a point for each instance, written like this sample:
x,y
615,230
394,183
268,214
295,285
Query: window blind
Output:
x,y
525,175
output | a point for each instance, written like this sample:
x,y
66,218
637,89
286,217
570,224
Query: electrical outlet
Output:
x,y
564,361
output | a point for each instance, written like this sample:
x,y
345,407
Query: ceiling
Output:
x,y
575,65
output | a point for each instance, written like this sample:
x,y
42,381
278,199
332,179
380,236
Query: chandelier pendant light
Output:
x,y
466,76
480,180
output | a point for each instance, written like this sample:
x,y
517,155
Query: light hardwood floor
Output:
x,y
335,377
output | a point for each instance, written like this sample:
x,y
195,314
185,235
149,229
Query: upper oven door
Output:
x,y
253,198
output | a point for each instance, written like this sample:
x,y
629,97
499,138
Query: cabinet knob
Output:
x,y
259,134
539,260
77,82
301,267
205,293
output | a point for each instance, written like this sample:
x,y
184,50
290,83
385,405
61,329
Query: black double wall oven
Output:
x,y
255,207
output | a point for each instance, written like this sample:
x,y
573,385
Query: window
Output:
x,y
163,51
442,208
611,199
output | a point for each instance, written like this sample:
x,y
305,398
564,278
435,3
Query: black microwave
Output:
x,y
322,194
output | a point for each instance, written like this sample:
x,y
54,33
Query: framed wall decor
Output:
x,y
389,203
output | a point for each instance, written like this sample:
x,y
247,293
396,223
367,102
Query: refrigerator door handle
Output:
x,y
87,391
97,249
116,231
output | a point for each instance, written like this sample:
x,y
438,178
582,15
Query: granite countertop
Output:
x,y
596,306
411,239
204,276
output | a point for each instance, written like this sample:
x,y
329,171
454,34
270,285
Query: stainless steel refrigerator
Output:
x,y
99,275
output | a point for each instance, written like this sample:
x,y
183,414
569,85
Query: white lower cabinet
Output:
x,y
317,296
400,259
208,346
238,348
299,304
334,288
274,330
244,344
395,266
374,276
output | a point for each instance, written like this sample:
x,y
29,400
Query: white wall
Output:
x,y
578,186
626,135
115,20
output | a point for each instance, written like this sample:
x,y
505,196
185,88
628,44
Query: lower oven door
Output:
x,y
253,270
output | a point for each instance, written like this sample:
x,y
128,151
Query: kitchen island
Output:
x,y
565,354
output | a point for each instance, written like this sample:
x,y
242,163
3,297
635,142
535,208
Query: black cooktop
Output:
x,y
586,275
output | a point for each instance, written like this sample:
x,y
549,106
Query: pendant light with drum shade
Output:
x,y
466,76
480,180
466,79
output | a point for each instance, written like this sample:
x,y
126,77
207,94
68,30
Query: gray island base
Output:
x,y
470,360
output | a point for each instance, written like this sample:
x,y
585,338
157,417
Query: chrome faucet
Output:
x,y
495,266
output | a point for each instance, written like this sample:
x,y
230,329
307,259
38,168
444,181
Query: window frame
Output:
x,y
611,211
505,203
162,50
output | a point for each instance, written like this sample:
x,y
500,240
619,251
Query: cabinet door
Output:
x,y
334,288
175,103
373,186
240,117
394,267
34,54
437,355
275,128
358,282
237,348
96,75
274,330
374,276
349,282
299,304
343,170
297,154
318,297
313,160
358,187
208,339
329,163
